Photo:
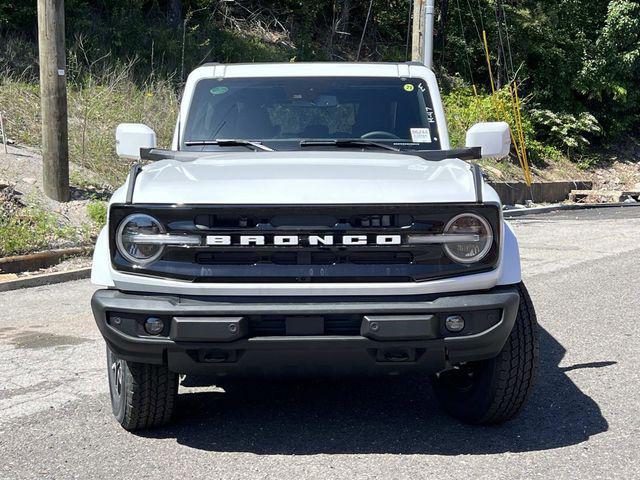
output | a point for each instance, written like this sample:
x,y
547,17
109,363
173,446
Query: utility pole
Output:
x,y
53,99
429,13
422,40
416,36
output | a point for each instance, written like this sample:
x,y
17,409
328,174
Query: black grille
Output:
x,y
303,258
244,221
305,263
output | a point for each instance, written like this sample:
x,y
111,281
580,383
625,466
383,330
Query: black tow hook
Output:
x,y
396,356
215,356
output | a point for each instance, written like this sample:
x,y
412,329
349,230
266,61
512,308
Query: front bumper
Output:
x,y
296,336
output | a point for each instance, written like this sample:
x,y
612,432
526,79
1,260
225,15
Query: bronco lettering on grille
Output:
x,y
296,240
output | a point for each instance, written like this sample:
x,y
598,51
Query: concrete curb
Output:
x,y
522,212
35,261
511,193
48,279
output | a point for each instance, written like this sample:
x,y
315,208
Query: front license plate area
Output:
x,y
304,326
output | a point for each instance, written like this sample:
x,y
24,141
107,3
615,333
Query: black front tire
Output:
x,y
495,390
142,395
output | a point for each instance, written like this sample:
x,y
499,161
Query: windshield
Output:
x,y
285,111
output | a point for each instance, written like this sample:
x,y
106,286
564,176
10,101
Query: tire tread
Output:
x,y
516,365
151,396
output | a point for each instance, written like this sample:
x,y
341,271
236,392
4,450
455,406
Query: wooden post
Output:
x,y
417,31
53,98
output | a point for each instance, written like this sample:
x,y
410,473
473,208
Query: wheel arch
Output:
x,y
511,271
101,264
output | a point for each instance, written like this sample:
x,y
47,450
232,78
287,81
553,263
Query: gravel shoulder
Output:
x,y
30,222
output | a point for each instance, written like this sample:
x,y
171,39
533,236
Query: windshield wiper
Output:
x,y
470,153
347,143
229,143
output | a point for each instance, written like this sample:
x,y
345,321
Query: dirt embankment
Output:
x,y
21,174
31,222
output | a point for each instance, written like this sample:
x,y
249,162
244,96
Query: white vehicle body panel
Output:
x,y
276,178
483,281
101,270
307,177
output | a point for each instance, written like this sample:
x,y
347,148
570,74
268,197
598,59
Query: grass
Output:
x,y
97,211
95,108
34,229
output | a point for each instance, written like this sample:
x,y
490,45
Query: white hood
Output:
x,y
274,178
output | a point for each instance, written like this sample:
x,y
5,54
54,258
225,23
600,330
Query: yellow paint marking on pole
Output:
x,y
515,116
486,52
517,113
521,132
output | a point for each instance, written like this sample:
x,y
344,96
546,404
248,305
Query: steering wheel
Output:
x,y
381,134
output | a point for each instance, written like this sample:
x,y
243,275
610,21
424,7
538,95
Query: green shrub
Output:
x,y
97,211
33,229
463,109
565,130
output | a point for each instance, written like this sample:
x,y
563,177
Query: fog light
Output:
x,y
153,326
454,323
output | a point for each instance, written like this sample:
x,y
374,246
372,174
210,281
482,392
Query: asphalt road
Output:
x,y
581,422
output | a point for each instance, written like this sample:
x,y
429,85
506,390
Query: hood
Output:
x,y
335,177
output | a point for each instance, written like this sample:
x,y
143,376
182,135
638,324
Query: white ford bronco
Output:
x,y
312,219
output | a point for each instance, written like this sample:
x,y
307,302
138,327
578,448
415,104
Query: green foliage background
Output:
x,y
575,57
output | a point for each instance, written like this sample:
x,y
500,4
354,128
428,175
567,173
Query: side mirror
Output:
x,y
493,137
131,137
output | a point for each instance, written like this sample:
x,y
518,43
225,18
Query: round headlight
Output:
x,y
130,238
476,238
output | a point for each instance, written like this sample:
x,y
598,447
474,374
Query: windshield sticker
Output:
x,y
218,90
421,135
408,87
430,115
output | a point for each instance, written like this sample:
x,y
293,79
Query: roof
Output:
x,y
302,69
